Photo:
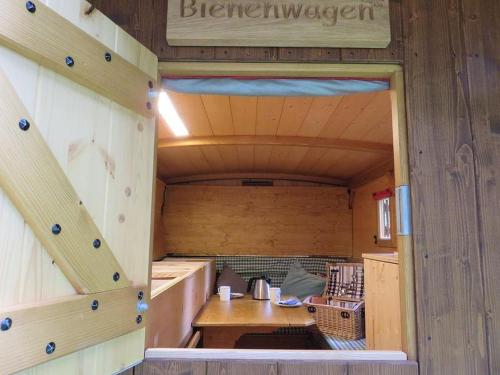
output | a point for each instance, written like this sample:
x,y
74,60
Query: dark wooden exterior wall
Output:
x,y
450,50
146,20
268,367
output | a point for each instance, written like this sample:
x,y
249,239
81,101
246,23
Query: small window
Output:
x,y
384,219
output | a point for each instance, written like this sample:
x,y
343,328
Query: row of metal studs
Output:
x,y
50,348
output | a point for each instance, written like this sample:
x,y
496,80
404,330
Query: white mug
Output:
x,y
275,295
225,293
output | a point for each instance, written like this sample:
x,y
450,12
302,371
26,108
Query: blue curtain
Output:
x,y
273,87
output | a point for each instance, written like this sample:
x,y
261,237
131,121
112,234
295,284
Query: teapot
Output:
x,y
261,288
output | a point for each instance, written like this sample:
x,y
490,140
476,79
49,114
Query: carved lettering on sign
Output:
x,y
328,14
328,23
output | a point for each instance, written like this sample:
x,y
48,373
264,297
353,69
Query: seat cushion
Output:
x,y
230,278
300,283
276,268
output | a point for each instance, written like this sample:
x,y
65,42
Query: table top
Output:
x,y
247,312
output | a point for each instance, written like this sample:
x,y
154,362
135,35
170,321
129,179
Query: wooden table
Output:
x,y
223,323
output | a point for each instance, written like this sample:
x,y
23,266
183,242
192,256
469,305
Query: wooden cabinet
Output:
x,y
382,302
179,289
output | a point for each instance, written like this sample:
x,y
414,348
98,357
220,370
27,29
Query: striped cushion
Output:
x,y
337,343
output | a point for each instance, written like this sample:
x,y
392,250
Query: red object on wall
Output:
x,y
382,194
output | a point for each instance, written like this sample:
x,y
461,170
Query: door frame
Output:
x,y
390,72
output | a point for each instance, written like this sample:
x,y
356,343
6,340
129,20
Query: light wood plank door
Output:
x,y
107,153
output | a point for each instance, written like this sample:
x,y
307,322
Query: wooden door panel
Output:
x,y
108,154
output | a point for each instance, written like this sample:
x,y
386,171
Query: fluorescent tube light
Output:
x,y
172,118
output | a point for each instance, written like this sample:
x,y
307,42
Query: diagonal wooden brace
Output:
x,y
36,184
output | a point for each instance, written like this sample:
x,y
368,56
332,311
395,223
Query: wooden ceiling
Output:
x,y
333,139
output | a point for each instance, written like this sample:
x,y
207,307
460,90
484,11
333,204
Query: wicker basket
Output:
x,y
345,319
341,310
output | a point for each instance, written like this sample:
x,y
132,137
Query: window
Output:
x,y
384,219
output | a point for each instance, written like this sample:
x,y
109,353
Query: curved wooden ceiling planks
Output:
x,y
335,138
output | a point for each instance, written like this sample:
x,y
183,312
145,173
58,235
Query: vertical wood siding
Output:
x,y
449,64
184,367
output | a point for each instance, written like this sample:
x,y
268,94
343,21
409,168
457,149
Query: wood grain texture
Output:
x,y
339,144
68,322
291,367
393,52
45,197
449,273
451,332
247,312
372,173
171,368
51,38
336,137
158,251
305,24
147,22
283,220
382,303
404,243
242,368
365,218
481,37
346,368
175,306
248,69
107,153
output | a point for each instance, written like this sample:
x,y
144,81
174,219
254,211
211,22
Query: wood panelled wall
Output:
x,y
159,232
450,53
365,218
278,220
146,20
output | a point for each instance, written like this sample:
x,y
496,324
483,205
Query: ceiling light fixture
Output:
x,y
172,118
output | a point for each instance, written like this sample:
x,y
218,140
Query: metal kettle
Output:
x,y
261,288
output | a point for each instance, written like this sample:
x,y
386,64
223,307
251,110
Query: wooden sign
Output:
x,y
279,23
